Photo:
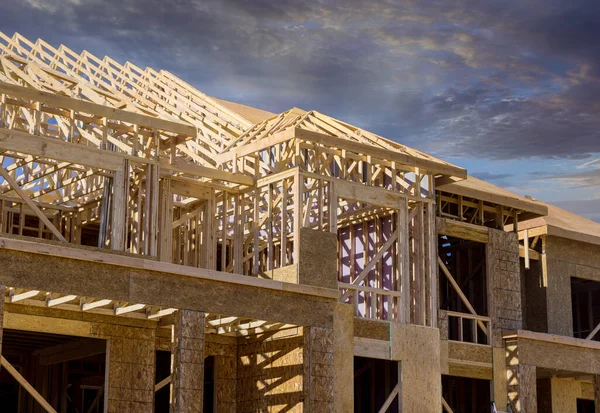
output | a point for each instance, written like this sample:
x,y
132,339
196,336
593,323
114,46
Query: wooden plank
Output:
x,y
181,166
60,150
390,399
25,384
462,230
32,205
371,348
371,195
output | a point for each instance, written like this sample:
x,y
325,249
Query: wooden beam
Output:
x,y
25,384
446,406
163,383
181,166
60,150
593,333
390,398
462,230
32,205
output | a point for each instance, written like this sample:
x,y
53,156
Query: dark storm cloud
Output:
x,y
491,79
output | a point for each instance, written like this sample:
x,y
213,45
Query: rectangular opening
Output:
x,y
466,263
585,406
466,395
67,371
374,381
585,300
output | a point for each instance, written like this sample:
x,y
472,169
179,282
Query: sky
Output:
x,y
509,90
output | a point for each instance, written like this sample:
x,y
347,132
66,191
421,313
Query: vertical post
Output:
x,y
209,245
120,189
284,222
238,232
333,203
298,204
433,267
404,262
165,217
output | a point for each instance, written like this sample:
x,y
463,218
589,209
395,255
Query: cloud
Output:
x,y
462,78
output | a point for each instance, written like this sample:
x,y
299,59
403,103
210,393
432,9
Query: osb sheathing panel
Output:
x,y
564,395
319,369
527,389
418,348
318,258
472,372
565,259
499,389
63,275
469,352
376,330
504,283
131,366
343,358
270,372
558,287
559,356
188,361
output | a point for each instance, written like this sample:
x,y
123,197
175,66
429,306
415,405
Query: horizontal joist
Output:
x,y
61,150
180,166
462,230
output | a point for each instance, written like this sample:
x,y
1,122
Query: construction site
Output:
x,y
166,251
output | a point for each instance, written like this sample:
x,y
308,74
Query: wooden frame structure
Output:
x,y
134,207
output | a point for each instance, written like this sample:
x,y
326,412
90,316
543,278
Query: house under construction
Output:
x,y
165,251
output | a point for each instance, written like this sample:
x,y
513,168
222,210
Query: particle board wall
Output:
x,y
188,361
504,284
319,370
418,349
95,279
131,364
270,372
564,259
559,356
224,349
318,258
343,358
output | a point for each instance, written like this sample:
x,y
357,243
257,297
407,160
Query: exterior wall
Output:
x,y
560,395
343,358
270,372
564,259
505,309
418,349
319,370
504,284
188,361
131,364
